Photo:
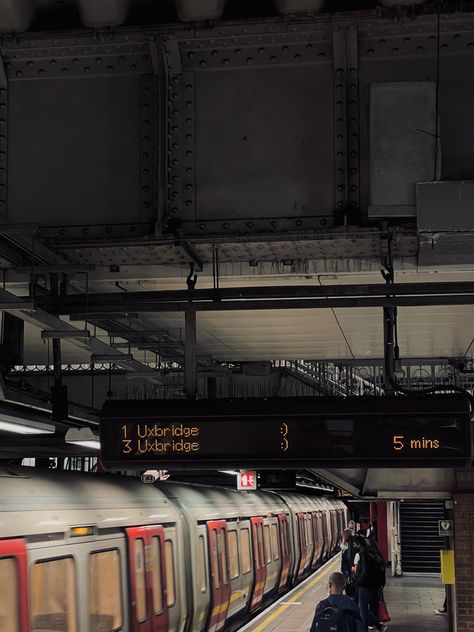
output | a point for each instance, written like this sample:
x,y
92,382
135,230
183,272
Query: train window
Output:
x,y
53,595
274,540
214,560
233,554
156,574
9,595
223,555
266,544
245,550
140,586
105,600
169,569
202,564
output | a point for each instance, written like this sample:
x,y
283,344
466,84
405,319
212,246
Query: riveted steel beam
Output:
x,y
257,47
3,138
148,143
77,58
353,148
340,119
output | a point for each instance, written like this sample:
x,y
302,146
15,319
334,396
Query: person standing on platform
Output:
x,y
338,611
347,550
369,580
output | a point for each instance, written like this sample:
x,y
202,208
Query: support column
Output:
x,y
59,399
389,347
190,368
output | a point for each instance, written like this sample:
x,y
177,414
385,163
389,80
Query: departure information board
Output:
x,y
287,432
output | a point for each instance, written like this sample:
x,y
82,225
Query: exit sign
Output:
x,y
246,481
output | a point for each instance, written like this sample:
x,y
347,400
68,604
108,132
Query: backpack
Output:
x,y
375,569
334,619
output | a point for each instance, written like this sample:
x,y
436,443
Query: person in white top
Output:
x,y
346,549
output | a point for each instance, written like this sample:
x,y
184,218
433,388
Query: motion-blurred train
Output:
x,y
97,553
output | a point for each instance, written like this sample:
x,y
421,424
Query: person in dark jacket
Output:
x,y
368,584
337,599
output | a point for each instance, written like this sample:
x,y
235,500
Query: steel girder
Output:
x,y
255,298
46,321
166,125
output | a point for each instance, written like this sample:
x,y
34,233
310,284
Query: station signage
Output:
x,y
432,431
247,481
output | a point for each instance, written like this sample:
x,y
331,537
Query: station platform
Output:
x,y
411,602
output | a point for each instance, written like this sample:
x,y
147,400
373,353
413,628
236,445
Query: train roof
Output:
x,y
206,502
43,501
306,502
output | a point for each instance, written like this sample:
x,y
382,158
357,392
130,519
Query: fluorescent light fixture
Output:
x,y
139,334
78,333
83,437
20,425
67,267
103,315
17,306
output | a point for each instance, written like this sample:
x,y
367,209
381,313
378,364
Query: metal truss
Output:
x,y
359,377
88,368
335,377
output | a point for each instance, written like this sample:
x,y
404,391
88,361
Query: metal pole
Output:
x,y
190,369
388,344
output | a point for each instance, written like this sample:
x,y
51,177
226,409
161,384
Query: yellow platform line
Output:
x,y
320,577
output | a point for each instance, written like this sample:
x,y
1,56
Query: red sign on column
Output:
x,y
246,481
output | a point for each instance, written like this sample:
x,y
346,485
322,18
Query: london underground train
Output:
x,y
101,553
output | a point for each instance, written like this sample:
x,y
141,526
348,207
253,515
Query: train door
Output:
x,y
271,551
246,558
309,540
149,611
314,527
303,544
320,529
260,569
334,529
285,551
326,534
13,586
220,594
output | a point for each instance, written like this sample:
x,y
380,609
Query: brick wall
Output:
x,y
463,515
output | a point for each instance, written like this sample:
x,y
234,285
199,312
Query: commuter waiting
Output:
x,y
338,611
369,579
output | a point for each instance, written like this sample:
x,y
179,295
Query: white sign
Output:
x,y
445,527
246,481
